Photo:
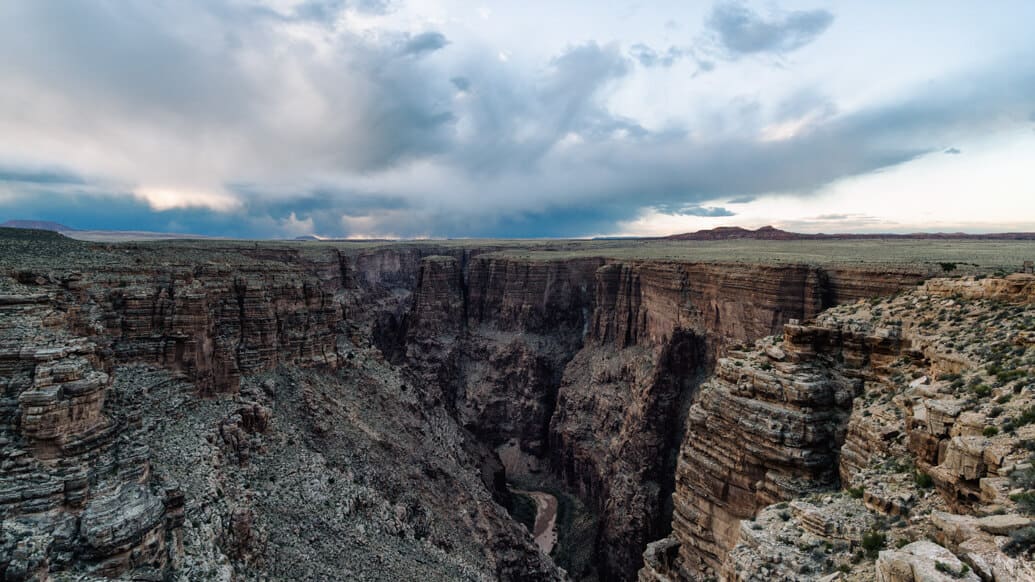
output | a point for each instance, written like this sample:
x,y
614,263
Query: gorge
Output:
x,y
231,410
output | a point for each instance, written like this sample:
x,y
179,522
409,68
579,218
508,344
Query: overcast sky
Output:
x,y
415,118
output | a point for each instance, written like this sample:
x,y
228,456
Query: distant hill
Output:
x,y
97,235
771,233
38,225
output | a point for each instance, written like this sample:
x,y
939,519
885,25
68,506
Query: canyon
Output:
x,y
236,410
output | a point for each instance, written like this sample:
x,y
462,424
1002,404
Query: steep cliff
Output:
x,y
170,411
656,330
364,393
886,398
76,489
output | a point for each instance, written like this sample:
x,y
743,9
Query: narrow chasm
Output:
x,y
586,428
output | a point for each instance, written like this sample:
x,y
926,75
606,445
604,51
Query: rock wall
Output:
x,y
656,331
76,490
589,364
887,399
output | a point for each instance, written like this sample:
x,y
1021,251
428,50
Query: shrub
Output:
x,y
1021,540
1010,375
982,390
1025,501
856,492
873,542
1023,478
523,509
1026,417
943,567
990,431
948,267
923,480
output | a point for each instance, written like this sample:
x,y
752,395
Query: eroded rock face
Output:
x,y
913,405
655,332
76,489
764,431
96,368
588,364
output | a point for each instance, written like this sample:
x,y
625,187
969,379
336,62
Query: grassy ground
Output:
x,y
1007,255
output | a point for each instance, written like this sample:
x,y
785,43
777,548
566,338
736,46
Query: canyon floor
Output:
x,y
682,410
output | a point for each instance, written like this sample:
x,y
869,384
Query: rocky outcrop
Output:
x,y
922,561
767,428
76,490
626,384
886,398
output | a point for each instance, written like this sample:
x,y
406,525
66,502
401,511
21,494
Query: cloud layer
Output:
x,y
250,119
740,31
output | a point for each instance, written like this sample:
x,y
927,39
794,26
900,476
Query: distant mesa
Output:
x,y
97,235
772,233
736,233
38,225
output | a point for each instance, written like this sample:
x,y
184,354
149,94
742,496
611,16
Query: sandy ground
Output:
x,y
545,530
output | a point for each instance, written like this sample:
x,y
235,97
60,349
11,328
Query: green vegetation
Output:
x,y
981,390
1021,541
523,509
990,431
1024,478
947,569
855,492
922,480
1026,417
873,542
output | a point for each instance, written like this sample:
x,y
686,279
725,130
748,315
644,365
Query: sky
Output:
x,y
459,118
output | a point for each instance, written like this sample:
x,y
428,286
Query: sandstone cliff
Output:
x,y
885,399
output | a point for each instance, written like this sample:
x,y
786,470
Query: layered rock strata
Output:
x,y
588,364
76,488
917,405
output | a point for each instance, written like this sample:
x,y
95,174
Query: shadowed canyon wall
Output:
x,y
589,364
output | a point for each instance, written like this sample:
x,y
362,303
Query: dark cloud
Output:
x,y
740,31
425,42
695,210
742,200
39,176
953,151
461,83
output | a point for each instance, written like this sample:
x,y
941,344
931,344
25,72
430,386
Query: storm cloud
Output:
x,y
241,119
